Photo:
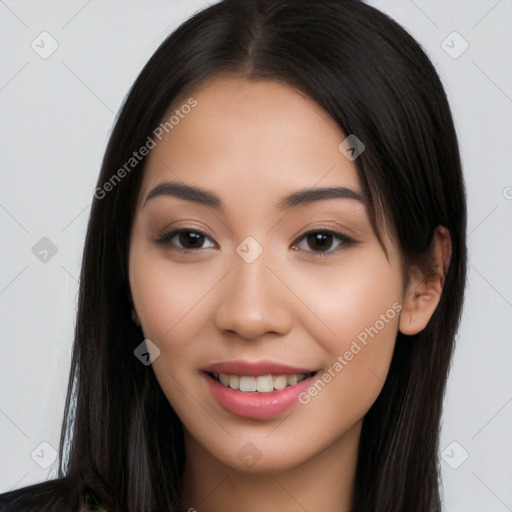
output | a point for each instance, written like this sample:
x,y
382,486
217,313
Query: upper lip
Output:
x,y
255,368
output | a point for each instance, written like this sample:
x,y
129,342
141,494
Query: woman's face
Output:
x,y
264,283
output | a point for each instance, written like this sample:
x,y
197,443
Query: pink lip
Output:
x,y
240,367
255,405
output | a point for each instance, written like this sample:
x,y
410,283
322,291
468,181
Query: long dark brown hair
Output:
x,y
121,440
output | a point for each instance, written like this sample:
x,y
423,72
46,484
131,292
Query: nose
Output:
x,y
254,301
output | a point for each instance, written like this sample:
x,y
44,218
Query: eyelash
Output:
x,y
345,241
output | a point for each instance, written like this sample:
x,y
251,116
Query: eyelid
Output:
x,y
168,235
346,241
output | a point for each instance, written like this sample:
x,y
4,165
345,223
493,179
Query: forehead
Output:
x,y
252,138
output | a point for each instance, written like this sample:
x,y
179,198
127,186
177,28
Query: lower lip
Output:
x,y
255,405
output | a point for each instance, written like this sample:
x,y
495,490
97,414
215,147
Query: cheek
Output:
x,y
362,293
169,299
171,303
353,314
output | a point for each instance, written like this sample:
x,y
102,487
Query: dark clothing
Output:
x,y
60,495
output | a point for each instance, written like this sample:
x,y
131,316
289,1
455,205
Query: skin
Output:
x,y
252,143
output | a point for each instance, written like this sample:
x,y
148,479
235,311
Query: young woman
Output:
x,y
273,274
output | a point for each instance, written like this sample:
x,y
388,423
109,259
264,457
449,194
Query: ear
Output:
x,y
424,292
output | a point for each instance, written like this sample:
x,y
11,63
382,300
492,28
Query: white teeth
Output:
x,y
291,380
264,384
280,382
246,383
261,384
233,381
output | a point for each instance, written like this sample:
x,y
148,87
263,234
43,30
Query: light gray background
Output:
x,y
57,114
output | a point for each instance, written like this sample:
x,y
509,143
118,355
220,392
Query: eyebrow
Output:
x,y
208,198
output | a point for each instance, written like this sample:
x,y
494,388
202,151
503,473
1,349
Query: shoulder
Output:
x,y
60,495
47,496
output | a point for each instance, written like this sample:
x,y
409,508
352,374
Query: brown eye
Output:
x,y
323,242
185,239
191,239
320,241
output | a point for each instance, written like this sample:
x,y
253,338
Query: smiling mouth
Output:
x,y
259,384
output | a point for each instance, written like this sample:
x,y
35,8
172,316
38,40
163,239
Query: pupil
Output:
x,y
191,239
323,241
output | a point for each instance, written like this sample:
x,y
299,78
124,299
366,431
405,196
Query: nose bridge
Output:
x,y
252,279
253,301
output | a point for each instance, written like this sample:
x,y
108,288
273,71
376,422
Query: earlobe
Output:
x,y
424,292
